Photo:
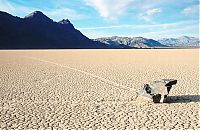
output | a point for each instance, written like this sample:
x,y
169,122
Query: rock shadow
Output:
x,y
183,99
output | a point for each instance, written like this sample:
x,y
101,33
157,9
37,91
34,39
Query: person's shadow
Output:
x,y
183,99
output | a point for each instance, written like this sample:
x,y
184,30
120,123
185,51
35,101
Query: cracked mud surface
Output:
x,y
97,89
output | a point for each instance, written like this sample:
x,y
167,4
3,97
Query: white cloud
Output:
x,y
113,9
191,11
14,9
150,14
173,32
109,8
5,6
143,26
63,13
153,11
96,34
54,13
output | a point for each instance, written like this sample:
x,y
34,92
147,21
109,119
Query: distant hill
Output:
x,y
184,41
136,42
37,31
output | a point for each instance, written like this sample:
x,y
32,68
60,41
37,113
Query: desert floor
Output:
x,y
97,89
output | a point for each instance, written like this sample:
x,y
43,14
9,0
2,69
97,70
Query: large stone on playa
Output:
x,y
158,90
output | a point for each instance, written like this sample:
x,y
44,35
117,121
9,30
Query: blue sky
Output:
x,y
101,18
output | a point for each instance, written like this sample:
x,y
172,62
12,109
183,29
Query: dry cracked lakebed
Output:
x,y
97,89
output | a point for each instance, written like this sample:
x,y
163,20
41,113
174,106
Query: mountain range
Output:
x,y
37,31
136,42
140,42
184,41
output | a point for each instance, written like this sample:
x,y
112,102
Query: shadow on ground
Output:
x,y
183,99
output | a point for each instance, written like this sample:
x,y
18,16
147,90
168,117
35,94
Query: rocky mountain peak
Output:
x,y
64,21
38,16
35,14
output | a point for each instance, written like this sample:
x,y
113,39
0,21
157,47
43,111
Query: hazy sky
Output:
x,y
99,18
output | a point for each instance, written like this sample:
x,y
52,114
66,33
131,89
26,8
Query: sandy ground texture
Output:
x,y
97,89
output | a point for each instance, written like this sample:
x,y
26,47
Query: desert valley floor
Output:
x,y
97,89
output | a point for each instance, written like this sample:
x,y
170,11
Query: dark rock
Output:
x,y
158,90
